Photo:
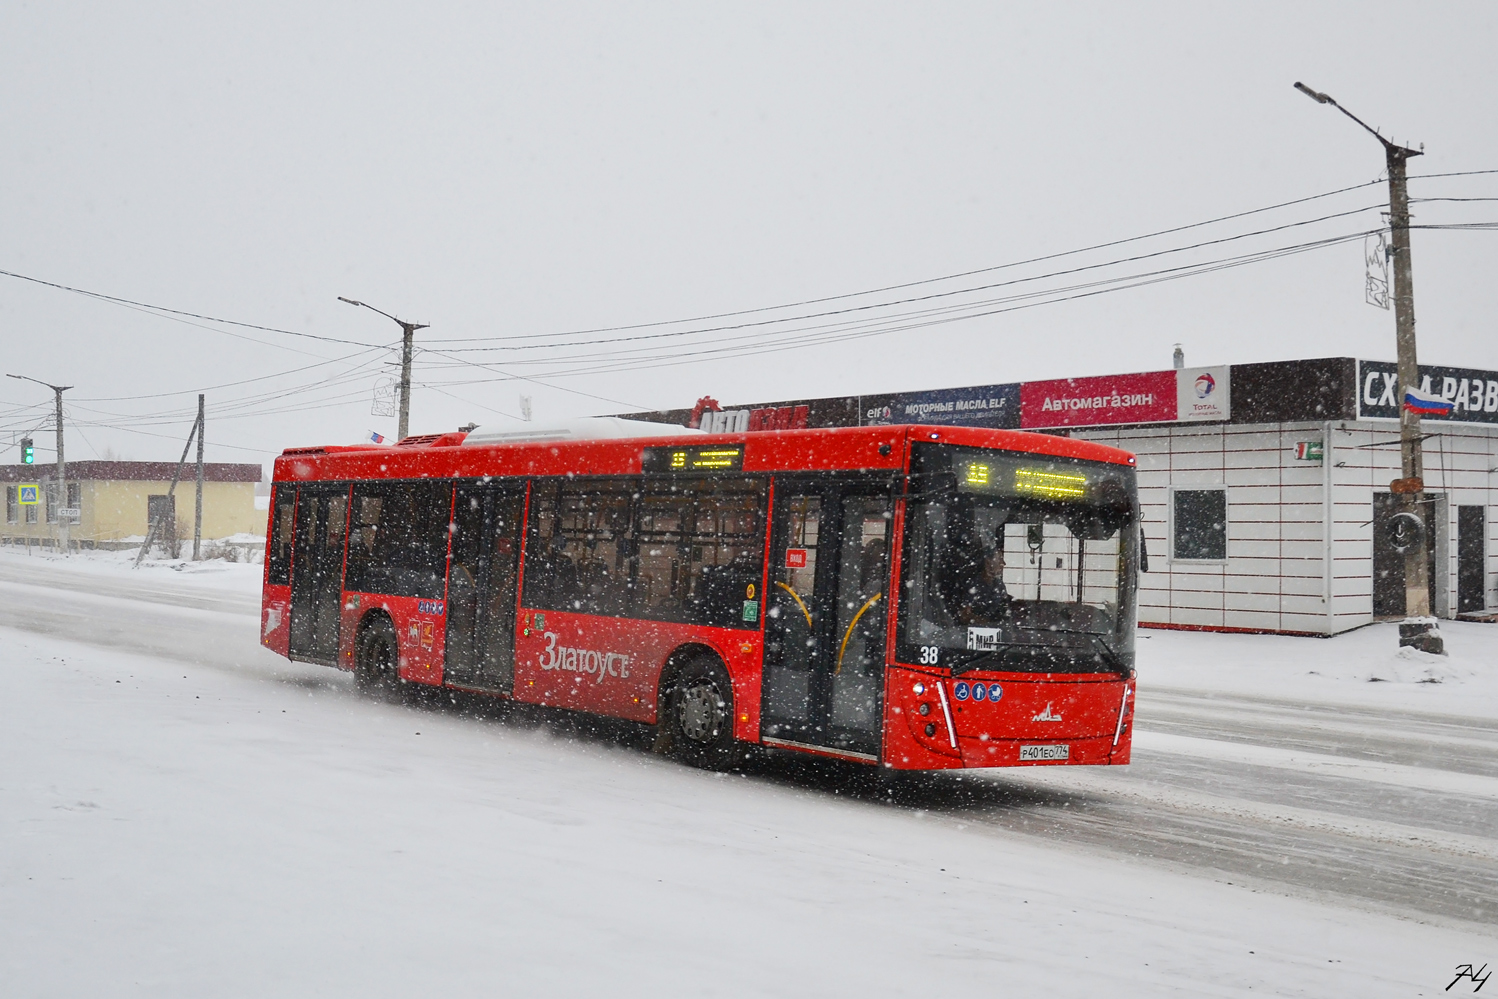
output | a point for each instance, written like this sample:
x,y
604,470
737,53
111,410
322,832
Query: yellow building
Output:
x,y
115,500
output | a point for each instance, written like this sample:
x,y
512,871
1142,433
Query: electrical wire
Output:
x,y
177,312
992,307
759,324
932,280
242,381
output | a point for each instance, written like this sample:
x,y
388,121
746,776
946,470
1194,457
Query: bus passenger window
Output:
x,y
399,543
278,573
682,550
578,557
701,548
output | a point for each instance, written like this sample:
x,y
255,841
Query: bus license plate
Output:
x,y
1044,752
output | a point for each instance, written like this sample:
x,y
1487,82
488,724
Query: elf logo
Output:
x,y
1047,715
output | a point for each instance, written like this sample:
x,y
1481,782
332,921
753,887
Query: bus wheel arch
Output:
x,y
694,709
376,653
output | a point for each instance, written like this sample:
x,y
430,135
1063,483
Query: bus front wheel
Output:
x,y
697,715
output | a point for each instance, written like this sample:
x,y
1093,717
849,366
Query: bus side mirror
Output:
x,y
1144,551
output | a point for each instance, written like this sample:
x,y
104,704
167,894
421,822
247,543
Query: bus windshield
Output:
x,y
1018,562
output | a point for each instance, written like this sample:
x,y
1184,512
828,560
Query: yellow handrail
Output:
x,y
849,633
797,597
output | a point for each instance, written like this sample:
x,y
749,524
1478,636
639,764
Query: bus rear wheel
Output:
x,y
377,659
697,715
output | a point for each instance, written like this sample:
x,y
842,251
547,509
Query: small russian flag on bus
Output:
x,y
375,438
1426,404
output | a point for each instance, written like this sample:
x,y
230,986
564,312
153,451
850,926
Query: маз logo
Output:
x,y
1047,715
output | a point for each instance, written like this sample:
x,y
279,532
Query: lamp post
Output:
x,y
62,465
408,330
1418,629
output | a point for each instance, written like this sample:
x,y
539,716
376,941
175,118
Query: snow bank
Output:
x,y
1364,667
243,577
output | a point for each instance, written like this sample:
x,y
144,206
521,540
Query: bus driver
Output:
x,y
982,598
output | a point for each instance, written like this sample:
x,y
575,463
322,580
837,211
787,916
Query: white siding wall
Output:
x,y
1277,576
1457,464
1274,578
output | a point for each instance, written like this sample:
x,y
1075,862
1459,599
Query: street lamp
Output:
x,y
408,330
1419,627
62,465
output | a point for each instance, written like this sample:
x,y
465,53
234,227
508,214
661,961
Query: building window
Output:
x,y
1199,525
75,498
12,508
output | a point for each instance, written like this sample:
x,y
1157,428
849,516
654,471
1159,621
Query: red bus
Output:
x,y
920,597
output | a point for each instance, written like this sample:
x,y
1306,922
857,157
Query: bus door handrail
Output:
x,y
849,633
797,597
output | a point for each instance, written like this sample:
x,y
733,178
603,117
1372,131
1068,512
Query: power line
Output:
x,y
930,318
177,312
941,294
923,281
242,381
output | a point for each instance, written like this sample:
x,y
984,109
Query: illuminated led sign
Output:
x,y
1049,484
708,458
1005,475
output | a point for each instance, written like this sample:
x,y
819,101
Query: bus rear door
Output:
x,y
825,623
317,571
481,587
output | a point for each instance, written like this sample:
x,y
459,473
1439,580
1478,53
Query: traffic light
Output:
x,y
28,453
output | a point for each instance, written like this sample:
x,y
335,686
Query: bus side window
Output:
x,y
727,555
398,538
278,573
664,568
578,555
701,548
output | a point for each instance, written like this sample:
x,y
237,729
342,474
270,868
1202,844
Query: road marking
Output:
x,y
1320,764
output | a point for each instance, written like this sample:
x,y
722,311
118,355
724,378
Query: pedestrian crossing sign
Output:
x,y
28,493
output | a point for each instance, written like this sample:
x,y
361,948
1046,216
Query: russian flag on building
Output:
x,y
1426,404
375,438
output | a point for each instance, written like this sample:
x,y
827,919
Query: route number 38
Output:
x,y
930,655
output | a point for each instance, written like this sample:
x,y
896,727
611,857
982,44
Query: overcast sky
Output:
x,y
535,171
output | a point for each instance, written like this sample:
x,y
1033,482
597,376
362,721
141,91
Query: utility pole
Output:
x,y
408,330
197,516
62,464
1418,630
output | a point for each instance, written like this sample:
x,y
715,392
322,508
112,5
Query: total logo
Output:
x,y
1205,385
589,661
963,690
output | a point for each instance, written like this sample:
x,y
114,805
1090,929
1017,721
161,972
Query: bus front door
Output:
x,y
481,588
825,620
317,572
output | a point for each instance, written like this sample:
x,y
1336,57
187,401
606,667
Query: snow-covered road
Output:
x,y
182,813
